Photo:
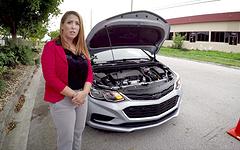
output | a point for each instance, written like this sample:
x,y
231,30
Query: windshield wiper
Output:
x,y
126,60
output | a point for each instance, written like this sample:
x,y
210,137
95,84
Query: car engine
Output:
x,y
129,77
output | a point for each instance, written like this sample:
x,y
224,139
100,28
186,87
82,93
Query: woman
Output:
x,y
68,74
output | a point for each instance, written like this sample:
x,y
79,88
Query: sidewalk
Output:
x,y
42,133
14,125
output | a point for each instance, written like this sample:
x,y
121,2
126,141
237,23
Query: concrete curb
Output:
x,y
17,138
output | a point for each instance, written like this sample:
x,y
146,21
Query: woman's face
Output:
x,y
70,27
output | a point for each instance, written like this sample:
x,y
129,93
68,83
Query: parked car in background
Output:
x,y
132,90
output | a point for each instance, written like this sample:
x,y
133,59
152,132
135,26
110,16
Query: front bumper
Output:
x,y
121,117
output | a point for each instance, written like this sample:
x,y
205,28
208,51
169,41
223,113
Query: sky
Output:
x,y
94,11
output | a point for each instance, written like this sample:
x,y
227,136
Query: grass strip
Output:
x,y
223,58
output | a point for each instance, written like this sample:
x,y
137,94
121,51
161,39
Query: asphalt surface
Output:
x,y
210,106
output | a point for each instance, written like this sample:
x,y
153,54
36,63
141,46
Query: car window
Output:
x,y
119,54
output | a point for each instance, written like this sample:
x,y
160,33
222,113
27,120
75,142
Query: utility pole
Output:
x,y
91,19
131,5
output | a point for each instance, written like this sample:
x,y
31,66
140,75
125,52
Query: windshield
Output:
x,y
120,54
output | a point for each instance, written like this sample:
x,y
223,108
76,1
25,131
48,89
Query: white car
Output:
x,y
131,89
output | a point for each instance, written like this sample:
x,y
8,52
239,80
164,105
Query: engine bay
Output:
x,y
135,76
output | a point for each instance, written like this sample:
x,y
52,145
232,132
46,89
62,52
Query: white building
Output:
x,y
219,31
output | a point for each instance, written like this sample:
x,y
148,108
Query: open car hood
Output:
x,y
138,29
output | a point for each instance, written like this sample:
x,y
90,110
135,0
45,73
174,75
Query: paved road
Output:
x,y
210,107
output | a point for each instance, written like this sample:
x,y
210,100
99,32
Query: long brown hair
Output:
x,y
79,40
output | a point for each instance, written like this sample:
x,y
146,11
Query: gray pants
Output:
x,y
70,122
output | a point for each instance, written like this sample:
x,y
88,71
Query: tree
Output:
x,y
26,14
35,31
178,41
53,34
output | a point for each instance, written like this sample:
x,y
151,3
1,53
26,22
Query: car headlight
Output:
x,y
177,84
112,96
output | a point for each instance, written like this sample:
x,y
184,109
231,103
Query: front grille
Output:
x,y
139,96
150,110
147,123
140,124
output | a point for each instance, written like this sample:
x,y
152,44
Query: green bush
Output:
x,y
2,70
24,54
7,57
178,41
13,55
2,85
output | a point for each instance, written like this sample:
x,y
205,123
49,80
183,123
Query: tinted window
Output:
x,y
217,37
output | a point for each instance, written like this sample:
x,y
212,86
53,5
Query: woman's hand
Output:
x,y
79,98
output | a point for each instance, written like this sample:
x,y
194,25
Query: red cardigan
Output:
x,y
55,71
